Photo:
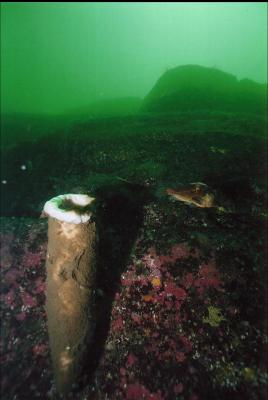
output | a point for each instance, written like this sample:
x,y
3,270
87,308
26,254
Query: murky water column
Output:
x,y
71,267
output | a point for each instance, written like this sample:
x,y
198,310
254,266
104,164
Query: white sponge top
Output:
x,y
69,208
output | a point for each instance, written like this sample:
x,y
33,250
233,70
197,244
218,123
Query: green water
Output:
x,y
58,57
159,112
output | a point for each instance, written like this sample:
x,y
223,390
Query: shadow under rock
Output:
x,y
119,217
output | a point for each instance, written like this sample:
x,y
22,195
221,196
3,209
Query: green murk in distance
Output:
x,y
80,57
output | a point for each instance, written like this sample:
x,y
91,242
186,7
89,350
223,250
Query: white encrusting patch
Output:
x,y
55,208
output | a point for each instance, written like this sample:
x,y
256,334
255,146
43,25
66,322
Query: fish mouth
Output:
x,y
188,201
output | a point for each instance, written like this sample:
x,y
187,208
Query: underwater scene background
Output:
x,y
158,111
